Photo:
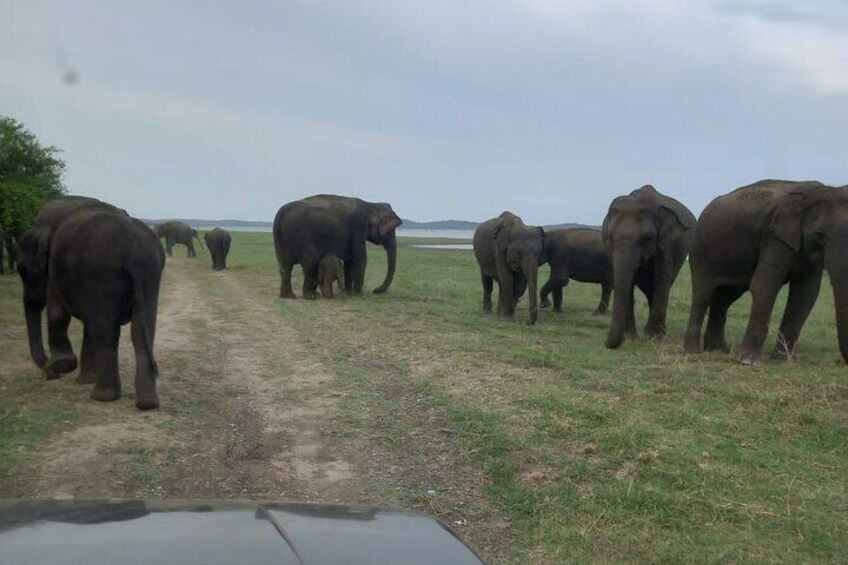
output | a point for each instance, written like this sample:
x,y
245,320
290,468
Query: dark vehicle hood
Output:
x,y
201,532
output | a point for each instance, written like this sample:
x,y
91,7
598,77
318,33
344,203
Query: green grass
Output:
x,y
633,455
639,454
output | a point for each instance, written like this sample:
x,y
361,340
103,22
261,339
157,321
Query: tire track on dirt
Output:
x,y
276,397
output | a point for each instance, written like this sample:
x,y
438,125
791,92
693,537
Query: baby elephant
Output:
x,y
330,269
579,254
218,242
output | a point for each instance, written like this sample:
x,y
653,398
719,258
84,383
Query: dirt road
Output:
x,y
250,409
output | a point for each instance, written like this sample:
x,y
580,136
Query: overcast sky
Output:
x,y
446,109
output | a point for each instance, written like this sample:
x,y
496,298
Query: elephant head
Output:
x,y
637,227
815,223
519,249
33,252
382,223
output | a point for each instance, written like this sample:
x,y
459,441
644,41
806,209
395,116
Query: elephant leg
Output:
x,y
62,359
310,280
803,294
544,292
630,317
764,288
606,291
88,361
360,261
702,297
190,247
104,343
658,309
723,298
558,298
285,281
488,285
519,287
146,396
169,246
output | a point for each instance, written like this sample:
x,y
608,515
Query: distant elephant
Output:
x,y
104,269
218,242
579,254
307,230
759,238
647,236
330,270
34,248
510,252
177,232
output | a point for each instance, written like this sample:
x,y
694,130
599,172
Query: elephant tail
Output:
x,y
146,298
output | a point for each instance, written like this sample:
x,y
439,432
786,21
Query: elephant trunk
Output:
x,y
839,280
531,273
33,322
624,261
391,258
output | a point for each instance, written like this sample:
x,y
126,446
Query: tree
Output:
x,y
30,174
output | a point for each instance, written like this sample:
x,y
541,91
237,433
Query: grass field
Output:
x,y
536,443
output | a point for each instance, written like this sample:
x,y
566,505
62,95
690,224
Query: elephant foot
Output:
x,y
655,332
544,303
600,312
147,402
58,365
717,346
86,378
691,348
287,295
557,310
747,358
613,342
105,394
780,354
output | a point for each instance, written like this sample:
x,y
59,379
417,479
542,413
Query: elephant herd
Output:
x,y
87,259
757,238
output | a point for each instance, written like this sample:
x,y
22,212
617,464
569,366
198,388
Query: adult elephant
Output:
x,y
177,232
760,237
579,254
34,248
647,236
510,252
104,269
307,230
218,243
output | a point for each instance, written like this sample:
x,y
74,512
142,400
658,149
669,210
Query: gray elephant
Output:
x,y
34,248
647,236
309,229
104,269
510,252
579,254
218,242
759,238
330,270
177,232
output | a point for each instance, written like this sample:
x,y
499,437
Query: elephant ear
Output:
x,y
35,243
543,257
802,214
672,217
501,237
385,221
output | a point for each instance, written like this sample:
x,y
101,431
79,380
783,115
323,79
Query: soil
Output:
x,y
249,412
